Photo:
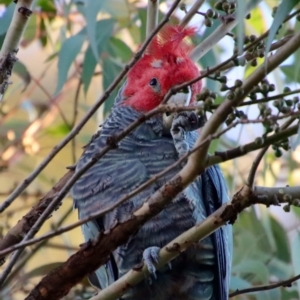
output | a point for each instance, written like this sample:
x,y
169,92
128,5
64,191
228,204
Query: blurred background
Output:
x,y
57,79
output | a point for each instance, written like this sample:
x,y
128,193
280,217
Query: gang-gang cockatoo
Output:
x,y
203,271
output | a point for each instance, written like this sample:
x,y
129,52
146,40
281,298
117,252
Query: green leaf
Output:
x,y
21,70
120,49
289,72
256,268
296,257
241,9
66,56
296,141
117,8
281,13
31,30
43,270
104,30
88,68
279,269
110,71
91,9
6,18
274,294
281,240
47,6
237,283
60,130
143,17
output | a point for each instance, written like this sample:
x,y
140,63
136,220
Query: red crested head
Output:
x,y
165,64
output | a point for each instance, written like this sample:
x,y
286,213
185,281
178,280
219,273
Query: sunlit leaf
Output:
x,y
257,23
58,130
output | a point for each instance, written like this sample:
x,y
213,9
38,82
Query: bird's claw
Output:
x,y
150,257
187,121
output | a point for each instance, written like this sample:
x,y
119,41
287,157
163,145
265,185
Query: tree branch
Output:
x,y
152,16
12,40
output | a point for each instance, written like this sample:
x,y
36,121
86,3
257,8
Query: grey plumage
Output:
x,y
200,273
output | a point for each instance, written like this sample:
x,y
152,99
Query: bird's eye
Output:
x,y
153,82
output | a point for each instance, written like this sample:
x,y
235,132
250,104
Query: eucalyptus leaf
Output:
x,y
6,18
91,10
104,30
257,269
66,57
241,9
296,257
282,11
21,70
110,71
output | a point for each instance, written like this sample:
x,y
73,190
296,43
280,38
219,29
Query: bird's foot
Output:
x,y
150,257
186,121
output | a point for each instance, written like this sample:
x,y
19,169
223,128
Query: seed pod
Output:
x,y
208,22
210,13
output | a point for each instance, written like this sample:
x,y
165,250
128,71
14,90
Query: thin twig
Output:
x,y
255,164
284,283
190,14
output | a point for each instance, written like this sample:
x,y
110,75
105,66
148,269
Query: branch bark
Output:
x,y
12,40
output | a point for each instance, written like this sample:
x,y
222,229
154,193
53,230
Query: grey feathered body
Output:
x,y
200,273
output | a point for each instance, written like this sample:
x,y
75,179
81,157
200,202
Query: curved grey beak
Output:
x,y
182,98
